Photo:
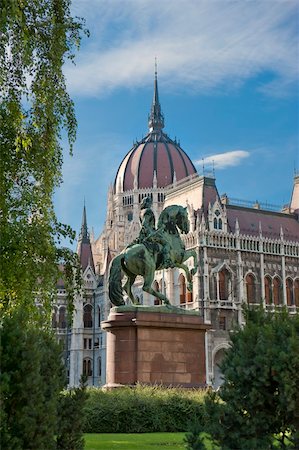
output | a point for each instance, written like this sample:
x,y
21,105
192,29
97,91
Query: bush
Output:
x,y
70,425
257,406
143,409
32,375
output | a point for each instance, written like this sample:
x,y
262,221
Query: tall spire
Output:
x,y
84,231
156,118
84,249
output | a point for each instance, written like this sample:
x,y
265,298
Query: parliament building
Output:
x,y
247,252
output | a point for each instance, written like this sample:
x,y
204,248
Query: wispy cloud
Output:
x,y
224,160
200,45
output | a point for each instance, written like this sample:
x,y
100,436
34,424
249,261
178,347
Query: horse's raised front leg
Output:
x,y
147,287
187,255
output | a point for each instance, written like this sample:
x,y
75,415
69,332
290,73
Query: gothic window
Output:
x,y
250,288
87,316
223,284
220,224
157,301
87,369
289,287
62,319
130,216
296,292
54,318
277,291
182,285
268,290
215,223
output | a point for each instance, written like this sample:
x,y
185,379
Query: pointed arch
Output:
x,y
224,279
277,294
87,316
250,288
268,289
182,289
289,290
87,367
62,317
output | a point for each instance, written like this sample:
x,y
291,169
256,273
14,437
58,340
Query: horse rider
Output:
x,y
149,235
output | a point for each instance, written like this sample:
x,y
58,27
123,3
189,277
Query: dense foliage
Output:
x,y
258,404
142,410
71,418
36,37
32,375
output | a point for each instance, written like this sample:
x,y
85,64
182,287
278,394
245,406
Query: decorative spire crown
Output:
x,y
156,118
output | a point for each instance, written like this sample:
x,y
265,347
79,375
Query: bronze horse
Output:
x,y
147,257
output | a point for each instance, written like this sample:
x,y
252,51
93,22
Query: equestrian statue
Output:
x,y
154,249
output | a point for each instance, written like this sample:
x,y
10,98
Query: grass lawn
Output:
x,y
145,441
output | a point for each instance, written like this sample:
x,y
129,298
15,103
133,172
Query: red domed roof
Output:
x,y
154,157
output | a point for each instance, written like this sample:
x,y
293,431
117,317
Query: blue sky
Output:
x,y
228,85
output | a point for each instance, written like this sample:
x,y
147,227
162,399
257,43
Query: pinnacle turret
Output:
x,y
84,231
84,249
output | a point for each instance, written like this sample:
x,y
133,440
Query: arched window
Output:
x,y
87,367
268,290
87,316
54,317
296,292
215,223
289,288
220,224
62,320
250,288
157,301
182,284
223,284
276,291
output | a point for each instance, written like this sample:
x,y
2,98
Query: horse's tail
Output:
x,y
114,281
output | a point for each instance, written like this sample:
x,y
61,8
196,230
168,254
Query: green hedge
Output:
x,y
142,409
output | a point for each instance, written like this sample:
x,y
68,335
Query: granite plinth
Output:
x,y
160,345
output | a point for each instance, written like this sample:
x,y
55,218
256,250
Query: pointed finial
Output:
x,y
84,231
156,118
281,233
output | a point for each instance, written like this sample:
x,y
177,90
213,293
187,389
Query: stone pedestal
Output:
x,y
155,346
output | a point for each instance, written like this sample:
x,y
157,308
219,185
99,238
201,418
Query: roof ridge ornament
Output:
x,y
156,118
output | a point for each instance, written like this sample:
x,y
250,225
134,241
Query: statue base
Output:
x,y
155,345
